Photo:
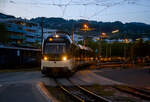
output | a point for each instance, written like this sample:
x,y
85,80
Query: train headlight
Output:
x,y
45,58
64,58
56,36
50,39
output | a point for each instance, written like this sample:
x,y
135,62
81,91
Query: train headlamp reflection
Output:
x,y
45,58
64,58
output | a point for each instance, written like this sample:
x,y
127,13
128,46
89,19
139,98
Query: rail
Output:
x,y
81,94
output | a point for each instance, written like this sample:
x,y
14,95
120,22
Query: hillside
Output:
x,y
126,30
4,16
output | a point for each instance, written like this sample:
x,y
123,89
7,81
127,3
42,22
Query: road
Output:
x,y
138,77
20,93
20,87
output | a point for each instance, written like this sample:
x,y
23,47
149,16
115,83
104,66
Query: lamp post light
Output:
x,y
42,33
85,28
101,37
126,41
73,30
113,33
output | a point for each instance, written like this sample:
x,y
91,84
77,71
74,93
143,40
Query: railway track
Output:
x,y
80,94
138,92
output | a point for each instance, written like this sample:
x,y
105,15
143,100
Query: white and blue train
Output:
x,y
60,56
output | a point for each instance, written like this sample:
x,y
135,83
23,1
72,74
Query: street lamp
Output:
x,y
126,41
101,37
113,32
85,28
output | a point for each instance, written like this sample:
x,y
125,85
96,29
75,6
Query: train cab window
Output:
x,y
51,48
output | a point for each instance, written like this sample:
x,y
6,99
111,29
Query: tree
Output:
x,y
140,49
3,34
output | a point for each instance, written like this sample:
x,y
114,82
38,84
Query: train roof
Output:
x,y
60,35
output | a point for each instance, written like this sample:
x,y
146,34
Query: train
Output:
x,y
62,57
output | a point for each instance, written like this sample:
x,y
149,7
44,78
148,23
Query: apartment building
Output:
x,y
22,32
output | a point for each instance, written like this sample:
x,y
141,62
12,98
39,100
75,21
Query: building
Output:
x,y
22,32
95,38
77,37
47,32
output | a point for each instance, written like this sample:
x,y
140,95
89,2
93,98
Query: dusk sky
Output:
x,y
100,10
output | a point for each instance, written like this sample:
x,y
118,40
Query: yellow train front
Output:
x,y
61,57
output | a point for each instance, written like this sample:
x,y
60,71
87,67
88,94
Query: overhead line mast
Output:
x,y
42,33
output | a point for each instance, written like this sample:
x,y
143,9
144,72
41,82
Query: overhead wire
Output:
x,y
65,7
107,7
59,4
106,4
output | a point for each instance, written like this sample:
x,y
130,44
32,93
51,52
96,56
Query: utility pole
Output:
x,y
110,51
85,28
124,54
106,50
100,49
73,32
84,39
73,35
42,33
84,36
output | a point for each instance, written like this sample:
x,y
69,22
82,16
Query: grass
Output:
x,y
122,87
59,94
125,99
100,90
107,92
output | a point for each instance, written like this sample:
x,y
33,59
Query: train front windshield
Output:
x,y
55,48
